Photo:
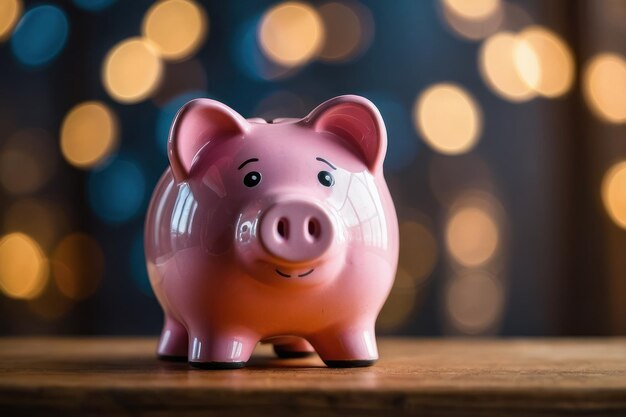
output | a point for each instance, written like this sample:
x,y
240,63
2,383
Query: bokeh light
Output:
x,y
27,161
527,63
51,304
40,219
614,193
400,303
251,59
40,35
545,60
349,28
291,33
89,134
116,191
176,27
474,19
132,70
604,87
23,266
473,10
500,69
448,118
93,5
417,259
472,235
10,11
474,302
418,251
77,266
167,114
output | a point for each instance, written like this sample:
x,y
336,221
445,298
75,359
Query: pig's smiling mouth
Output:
x,y
282,274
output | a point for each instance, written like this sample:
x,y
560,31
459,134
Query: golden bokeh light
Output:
x,y
473,19
23,266
10,11
472,234
291,33
527,63
399,304
474,302
42,220
176,27
544,61
501,70
418,251
27,161
604,87
473,9
448,118
89,134
614,193
348,28
51,305
132,70
77,266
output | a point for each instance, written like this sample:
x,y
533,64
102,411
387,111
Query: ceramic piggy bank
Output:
x,y
281,232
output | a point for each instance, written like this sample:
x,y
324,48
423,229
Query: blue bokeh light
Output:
x,y
40,35
168,112
94,5
402,142
137,263
116,191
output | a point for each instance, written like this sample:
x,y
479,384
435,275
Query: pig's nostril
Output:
x,y
313,228
282,228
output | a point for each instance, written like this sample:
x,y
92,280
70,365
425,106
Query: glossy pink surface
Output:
x,y
282,232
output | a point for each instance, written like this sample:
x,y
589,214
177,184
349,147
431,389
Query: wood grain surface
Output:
x,y
426,377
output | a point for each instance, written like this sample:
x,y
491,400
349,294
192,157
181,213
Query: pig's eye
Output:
x,y
326,178
252,179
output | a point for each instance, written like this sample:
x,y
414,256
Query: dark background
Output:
x,y
536,172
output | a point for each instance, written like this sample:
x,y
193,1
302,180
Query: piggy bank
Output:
x,y
281,232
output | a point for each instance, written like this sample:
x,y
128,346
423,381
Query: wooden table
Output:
x,y
426,377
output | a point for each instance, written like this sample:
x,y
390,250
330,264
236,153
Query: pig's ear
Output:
x,y
356,120
197,124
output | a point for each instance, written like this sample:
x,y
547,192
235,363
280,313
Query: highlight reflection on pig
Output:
x,y
279,232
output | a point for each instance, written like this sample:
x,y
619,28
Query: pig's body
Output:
x,y
288,259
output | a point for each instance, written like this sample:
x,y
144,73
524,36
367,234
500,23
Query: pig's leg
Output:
x,y
293,347
220,350
346,347
173,342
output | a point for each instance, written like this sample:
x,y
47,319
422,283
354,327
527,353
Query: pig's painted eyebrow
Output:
x,y
247,162
326,162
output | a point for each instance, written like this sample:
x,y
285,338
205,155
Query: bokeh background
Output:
x,y
507,148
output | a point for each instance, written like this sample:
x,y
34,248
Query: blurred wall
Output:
x,y
506,123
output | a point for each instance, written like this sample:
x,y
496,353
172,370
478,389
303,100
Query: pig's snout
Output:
x,y
296,231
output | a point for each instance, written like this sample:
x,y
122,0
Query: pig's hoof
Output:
x,y
291,354
350,364
172,358
217,365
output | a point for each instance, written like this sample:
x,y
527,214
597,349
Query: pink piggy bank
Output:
x,y
280,232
